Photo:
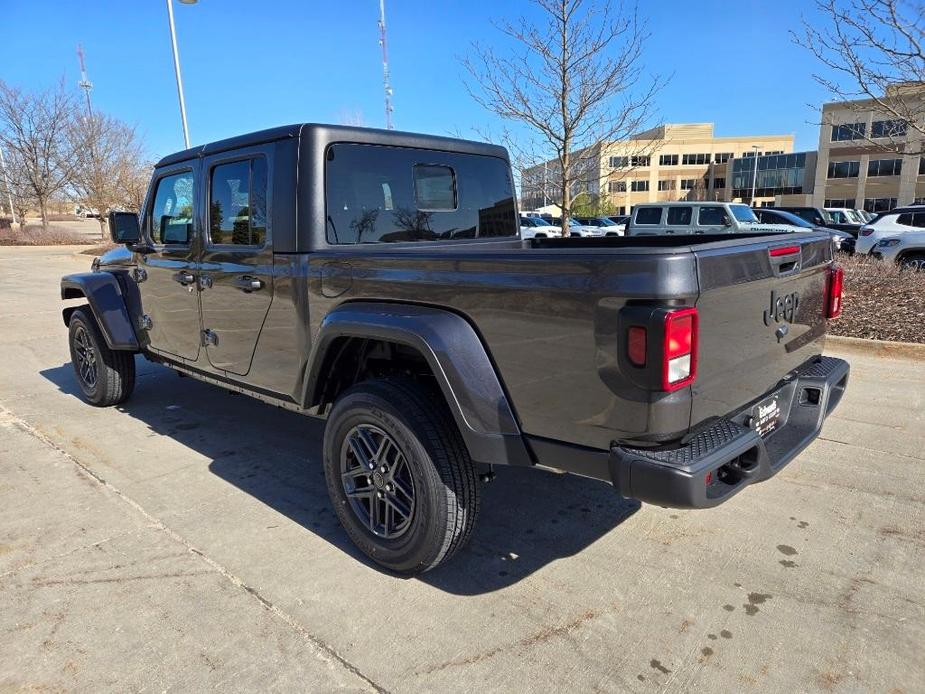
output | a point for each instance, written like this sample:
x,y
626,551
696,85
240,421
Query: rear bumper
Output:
x,y
723,459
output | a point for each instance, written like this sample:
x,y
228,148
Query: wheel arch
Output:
x,y
418,337
107,303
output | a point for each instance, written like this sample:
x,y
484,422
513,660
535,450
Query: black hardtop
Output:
x,y
337,133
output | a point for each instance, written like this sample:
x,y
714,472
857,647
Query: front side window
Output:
x,y
648,215
172,211
381,194
711,216
679,215
238,203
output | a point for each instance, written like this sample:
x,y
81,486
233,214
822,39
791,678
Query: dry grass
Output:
x,y
882,302
33,235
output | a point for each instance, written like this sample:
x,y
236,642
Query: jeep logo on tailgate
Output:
x,y
783,308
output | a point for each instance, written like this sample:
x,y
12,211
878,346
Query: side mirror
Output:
x,y
124,227
727,222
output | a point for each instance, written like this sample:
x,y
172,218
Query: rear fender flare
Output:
x,y
457,358
107,302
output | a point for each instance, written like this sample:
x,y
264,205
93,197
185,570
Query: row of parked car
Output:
x,y
897,235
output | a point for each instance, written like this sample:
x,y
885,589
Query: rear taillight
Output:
x,y
679,353
834,292
866,231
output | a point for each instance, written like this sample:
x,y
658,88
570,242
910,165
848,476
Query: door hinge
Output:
x,y
209,338
139,275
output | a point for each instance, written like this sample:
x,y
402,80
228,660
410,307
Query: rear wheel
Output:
x,y
399,475
106,377
913,261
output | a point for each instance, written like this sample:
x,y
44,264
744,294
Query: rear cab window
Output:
x,y
382,194
648,215
238,203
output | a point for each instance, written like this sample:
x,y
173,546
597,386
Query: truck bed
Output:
x,y
549,313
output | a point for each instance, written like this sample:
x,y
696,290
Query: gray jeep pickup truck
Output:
x,y
378,279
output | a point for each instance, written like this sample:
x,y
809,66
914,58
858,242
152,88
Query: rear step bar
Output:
x,y
722,459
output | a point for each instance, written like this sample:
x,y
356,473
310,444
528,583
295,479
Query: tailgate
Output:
x,y
762,314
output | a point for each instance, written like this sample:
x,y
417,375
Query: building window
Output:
x,y
616,186
619,162
639,186
922,166
879,204
884,167
666,184
888,128
639,161
839,203
695,159
722,157
668,160
844,169
752,153
688,183
621,210
848,131
774,151
719,183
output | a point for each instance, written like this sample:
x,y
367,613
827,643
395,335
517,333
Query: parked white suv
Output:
x,y
698,218
907,249
538,228
893,223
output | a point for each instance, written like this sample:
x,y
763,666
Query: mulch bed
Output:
x,y
881,302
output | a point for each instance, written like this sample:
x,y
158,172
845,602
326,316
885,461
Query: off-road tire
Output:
x,y
114,370
446,487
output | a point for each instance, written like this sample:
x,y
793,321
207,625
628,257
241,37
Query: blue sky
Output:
x,y
250,64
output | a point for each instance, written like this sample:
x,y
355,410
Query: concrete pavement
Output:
x,y
184,541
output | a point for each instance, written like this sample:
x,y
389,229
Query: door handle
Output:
x,y
248,284
183,277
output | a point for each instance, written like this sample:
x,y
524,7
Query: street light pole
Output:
x,y
176,66
755,175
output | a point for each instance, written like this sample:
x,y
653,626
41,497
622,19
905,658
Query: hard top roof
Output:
x,y
337,133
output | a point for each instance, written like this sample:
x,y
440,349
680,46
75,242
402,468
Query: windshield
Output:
x,y
573,223
853,217
743,213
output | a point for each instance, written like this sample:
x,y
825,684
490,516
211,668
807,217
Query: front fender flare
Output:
x,y
104,294
457,358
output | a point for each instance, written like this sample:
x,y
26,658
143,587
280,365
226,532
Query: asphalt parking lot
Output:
x,y
184,541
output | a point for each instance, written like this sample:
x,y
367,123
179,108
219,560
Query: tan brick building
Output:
x,y
681,161
866,158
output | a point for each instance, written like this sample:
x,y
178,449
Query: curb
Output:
x,y
877,348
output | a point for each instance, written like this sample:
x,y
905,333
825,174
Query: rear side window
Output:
x,y
649,215
380,194
679,215
172,211
711,216
910,219
238,203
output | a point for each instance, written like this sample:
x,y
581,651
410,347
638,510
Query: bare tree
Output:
x,y
15,187
575,81
105,155
133,184
33,128
873,50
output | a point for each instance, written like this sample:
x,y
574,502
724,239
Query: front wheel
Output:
x,y
399,475
106,377
913,261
